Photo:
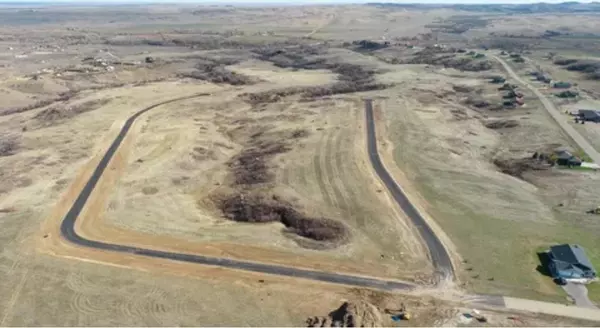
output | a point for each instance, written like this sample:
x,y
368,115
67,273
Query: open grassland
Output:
x,y
496,221
262,156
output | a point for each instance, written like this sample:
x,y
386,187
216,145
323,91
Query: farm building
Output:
x,y
569,261
589,115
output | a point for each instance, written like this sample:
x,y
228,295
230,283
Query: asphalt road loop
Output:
x,y
78,246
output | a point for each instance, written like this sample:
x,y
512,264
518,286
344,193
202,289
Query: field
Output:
x,y
254,147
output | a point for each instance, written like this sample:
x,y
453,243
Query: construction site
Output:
x,y
378,164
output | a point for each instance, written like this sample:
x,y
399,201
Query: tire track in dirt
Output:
x,y
8,313
317,165
152,305
331,174
344,161
84,294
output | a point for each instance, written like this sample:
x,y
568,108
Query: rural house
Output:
x,y
562,85
564,157
569,261
589,115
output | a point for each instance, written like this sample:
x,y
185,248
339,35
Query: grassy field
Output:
x,y
497,222
268,163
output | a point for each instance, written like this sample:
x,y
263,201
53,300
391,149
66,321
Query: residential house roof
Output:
x,y
572,254
588,113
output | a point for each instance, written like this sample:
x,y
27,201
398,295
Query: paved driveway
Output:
x,y
579,293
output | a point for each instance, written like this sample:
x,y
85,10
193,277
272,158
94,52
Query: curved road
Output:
x,y
437,252
67,229
555,113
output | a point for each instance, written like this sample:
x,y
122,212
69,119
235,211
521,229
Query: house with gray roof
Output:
x,y
568,261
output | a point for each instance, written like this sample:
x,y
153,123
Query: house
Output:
x,y
564,157
498,79
544,78
562,85
589,115
568,261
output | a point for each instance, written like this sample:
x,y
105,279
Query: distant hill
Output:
x,y
565,7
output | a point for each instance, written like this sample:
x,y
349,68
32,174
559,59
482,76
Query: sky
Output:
x,y
298,1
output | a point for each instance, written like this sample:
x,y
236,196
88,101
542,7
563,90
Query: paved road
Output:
x,y
555,113
579,293
68,232
439,256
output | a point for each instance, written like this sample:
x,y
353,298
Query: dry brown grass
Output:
x,y
56,114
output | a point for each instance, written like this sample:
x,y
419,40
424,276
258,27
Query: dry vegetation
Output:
x,y
260,209
269,163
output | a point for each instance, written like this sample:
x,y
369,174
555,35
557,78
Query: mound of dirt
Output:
x,y
259,209
356,314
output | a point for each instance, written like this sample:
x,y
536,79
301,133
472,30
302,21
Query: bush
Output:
x,y
564,61
216,73
9,144
258,209
250,167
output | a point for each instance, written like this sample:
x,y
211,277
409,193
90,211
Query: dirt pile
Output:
x,y
355,314
248,207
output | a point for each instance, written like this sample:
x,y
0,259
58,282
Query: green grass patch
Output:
x,y
583,155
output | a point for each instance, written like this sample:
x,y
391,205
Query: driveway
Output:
x,y
579,293
555,113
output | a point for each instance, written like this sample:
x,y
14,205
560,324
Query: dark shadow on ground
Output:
x,y
544,262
